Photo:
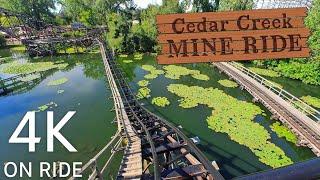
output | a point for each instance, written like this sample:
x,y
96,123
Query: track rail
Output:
x,y
164,146
285,95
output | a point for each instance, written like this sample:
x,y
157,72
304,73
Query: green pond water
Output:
x,y
91,128
232,158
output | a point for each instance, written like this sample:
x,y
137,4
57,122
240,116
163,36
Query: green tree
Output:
x,y
39,9
93,12
233,5
313,23
205,5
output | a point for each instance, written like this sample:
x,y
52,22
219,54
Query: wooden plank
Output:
x,y
185,172
233,15
237,56
164,148
231,36
217,46
163,38
297,22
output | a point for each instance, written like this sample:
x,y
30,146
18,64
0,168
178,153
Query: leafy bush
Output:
x,y
307,72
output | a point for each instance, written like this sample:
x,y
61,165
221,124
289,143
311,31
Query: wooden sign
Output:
x,y
230,36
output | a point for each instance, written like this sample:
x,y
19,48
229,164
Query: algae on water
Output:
x,y
57,82
228,83
160,101
175,72
30,77
312,101
143,83
235,118
44,107
153,72
24,68
265,72
143,92
283,131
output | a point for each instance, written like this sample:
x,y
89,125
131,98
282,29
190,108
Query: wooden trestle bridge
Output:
x,y
302,119
42,39
154,147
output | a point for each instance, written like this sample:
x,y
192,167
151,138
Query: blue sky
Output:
x,y
145,3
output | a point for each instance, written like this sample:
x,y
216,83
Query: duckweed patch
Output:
x,y
19,68
312,101
265,72
143,92
58,81
228,83
272,83
44,107
283,131
202,77
235,118
30,77
153,72
143,83
160,101
175,72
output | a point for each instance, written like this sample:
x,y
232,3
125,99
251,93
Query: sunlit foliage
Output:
x,y
127,61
